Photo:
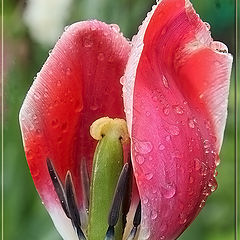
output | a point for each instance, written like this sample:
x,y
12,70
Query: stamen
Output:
x,y
117,201
136,222
110,233
85,183
73,210
58,187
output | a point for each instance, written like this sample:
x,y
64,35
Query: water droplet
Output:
x,y
66,28
169,190
50,52
213,184
59,83
165,82
36,96
145,200
202,204
68,71
153,214
168,138
122,80
143,147
101,56
140,159
149,176
166,110
177,154
191,179
115,27
183,218
191,123
178,109
162,237
215,173
207,25
161,147
164,30
197,164
29,154
148,114
173,130
217,160
55,123
87,43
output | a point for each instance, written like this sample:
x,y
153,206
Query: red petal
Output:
x,y
78,84
175,95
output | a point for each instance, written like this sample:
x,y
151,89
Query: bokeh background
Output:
x,y
30,29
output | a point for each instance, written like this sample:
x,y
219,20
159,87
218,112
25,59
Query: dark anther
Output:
x,y
110,233
136,222
117,202
118,196
58,187
73,210
85,183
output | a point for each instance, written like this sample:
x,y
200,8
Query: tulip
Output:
x,y
175,90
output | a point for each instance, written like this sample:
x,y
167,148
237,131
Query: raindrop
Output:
x,y
101,57
115,27
197,164
161,147
143,147
213,184
145,200
59,83
191,123
217,160
183,218
166,110
87,43
207,25
168,138
178,109
191,179
162,237
202,204
149,176
148,114
122,80
173,130
165,82
215,173
68,71
66,28
50,52
140,159
154,214
169,191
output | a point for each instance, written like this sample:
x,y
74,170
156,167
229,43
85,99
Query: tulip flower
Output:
x,y
175,91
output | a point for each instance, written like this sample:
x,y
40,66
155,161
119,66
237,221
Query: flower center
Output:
x,y
109,186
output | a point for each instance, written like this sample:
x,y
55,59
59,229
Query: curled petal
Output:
x,y
75,87
175,95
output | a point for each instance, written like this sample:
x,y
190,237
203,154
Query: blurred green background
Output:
x,y
24,54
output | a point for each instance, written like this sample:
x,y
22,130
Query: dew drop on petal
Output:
x,y
169,190
153,214
149,176
166,111
143,147
140,159
191,123
101,57
161,147
165,82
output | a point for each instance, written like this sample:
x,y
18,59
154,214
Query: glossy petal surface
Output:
x,y
175,94
78,83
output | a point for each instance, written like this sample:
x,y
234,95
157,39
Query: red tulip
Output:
x,y
175,91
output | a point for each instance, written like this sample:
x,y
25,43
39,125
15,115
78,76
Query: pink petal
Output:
x,y
78,84
175,94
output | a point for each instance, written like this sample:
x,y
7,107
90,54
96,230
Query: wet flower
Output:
x,y
175,88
